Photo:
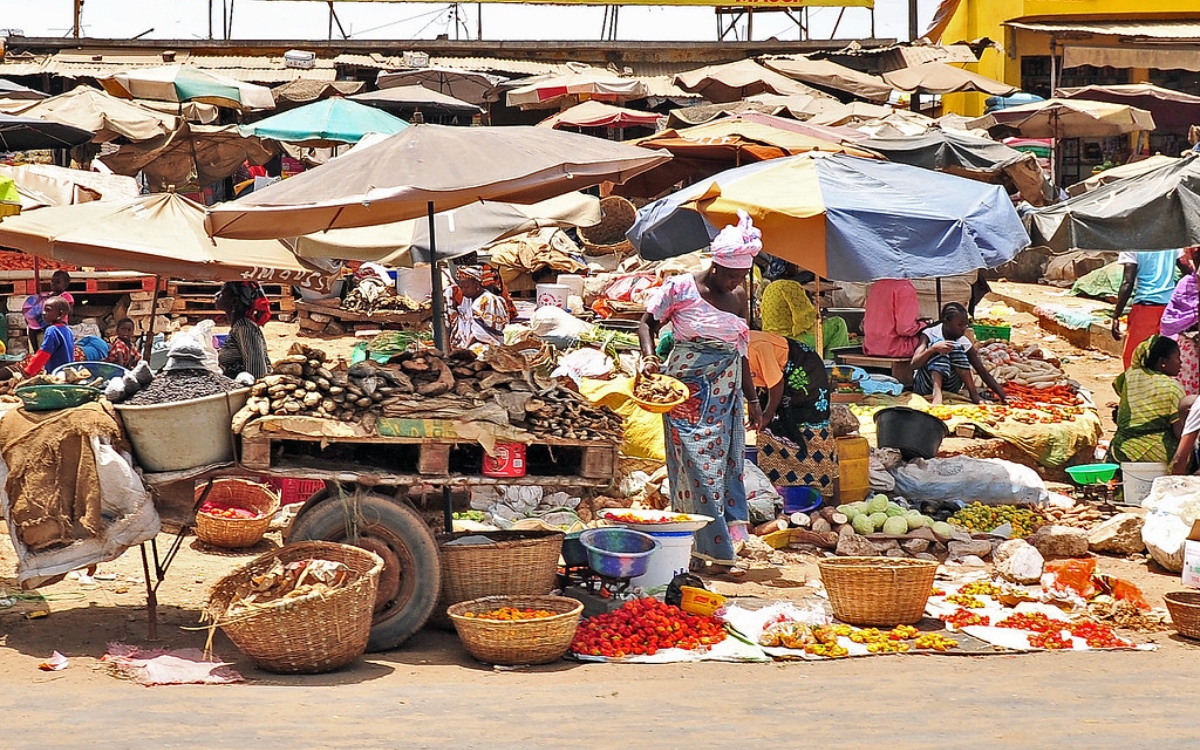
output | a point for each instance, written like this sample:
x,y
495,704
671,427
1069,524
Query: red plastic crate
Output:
x,y
295,490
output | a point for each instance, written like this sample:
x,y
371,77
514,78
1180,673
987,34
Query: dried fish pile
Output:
x,y
373,295
283,582
423,383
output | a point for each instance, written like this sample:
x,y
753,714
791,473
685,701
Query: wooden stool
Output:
x,y
899,368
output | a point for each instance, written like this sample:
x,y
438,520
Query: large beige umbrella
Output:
x,y
549,92
940,78
468,85
593,114
459,231
737,80
161,234
426,169
105,115
1068,118
210,152
830,75
181,83
415,97
47,185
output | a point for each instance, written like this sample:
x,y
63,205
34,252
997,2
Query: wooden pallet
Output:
x,y
404,460
205,307
318,318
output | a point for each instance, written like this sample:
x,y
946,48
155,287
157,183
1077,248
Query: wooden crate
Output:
x,y
436,460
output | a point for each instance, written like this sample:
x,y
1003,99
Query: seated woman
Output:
x,y
795,444
892,323
787,311
1148,420
945,357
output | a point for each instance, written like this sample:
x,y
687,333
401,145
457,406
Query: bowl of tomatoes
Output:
x,y
516,629
654,520
234,513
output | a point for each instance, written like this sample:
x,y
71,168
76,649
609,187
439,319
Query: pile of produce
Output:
x,y
1049,633
373,294
823,640
390,342
656,389
182,385
986,518
509,614
1079,516
422,383
218,509
1029,366
878,515
77,375
644,627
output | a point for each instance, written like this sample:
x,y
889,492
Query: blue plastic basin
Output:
x,y
618,553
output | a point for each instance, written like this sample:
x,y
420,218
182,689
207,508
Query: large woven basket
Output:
x,y
617,215
236,533
518,641
1184,607
877,591
518,563
305,635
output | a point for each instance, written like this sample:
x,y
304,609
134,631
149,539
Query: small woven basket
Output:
x,y
877,591
236,533
617,215
310,634
518,563
517,641
1184,607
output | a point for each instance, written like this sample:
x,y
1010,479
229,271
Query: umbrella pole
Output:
x,y
37,275
148,344
938,288
438,302
820,332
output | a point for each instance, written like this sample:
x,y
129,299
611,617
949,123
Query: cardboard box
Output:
x,y
1191,558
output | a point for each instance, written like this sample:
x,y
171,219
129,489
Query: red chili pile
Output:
x,y
223,510
644,626
1047,632
962,618
1037,622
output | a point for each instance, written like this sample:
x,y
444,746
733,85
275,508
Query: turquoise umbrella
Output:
x,y
333,120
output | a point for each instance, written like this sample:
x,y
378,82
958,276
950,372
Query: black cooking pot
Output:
x,y
914,433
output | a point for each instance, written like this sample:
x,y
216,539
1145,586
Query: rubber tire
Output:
x,y
401,529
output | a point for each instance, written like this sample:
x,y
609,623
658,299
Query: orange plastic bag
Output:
x,y
1073,576
1122,591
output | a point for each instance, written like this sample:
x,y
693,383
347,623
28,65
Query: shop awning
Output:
x,y
1161,45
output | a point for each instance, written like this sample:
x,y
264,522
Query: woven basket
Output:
x,y
519,563
304,635
235,533
518,641
1184,607
877,591
617,215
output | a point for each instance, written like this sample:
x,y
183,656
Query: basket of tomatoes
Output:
x,y
516,629
235,513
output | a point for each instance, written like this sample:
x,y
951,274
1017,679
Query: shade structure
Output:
x,y
468,85
307,90
325,122
161,233
1172,110
1132,169
940,78
593,114
829,75
737,80
1067,118
548,92
20,133
47,185
107,116
182,83
1157,210
211,152
458,231
835,133
10,197
11,90
415,97
401,177
844,217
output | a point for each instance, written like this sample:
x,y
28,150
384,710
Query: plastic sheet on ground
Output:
x,y
187,666
729,650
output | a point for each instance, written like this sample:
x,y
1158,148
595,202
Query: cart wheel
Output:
x,y
411,580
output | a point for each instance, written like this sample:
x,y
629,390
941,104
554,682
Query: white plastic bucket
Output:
x,y
669,560
185,434
553,295
1137,479
572,280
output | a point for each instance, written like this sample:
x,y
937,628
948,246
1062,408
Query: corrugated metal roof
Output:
x,y
1189,30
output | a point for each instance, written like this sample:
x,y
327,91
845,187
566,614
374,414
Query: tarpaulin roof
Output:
x,y
730,82
831,75
415,96
547,92
213,152
1067,118
105,115
181,83
592,114
1171,110
1132,169
23,133
940,78
1157,210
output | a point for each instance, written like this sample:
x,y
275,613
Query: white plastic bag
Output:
x,y
990,481
1174,505
761,496
198,335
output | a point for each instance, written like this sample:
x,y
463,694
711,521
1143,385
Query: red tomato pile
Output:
x,y
633,518
962,618
1037,622
1098,636
233,512
1052,640
644,626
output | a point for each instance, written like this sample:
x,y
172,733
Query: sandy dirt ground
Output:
x,y
431,693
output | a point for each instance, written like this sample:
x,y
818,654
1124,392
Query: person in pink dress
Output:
x,y
892,323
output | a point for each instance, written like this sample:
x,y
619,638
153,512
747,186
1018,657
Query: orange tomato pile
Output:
x,y
231,512
962,618
1037,622
1051,641
1057,395
1047,632
510,614
644,626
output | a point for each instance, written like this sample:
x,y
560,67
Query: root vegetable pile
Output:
x,y
644,626
1030,366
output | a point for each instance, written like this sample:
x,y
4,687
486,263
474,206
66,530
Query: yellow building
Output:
x,y
1089,42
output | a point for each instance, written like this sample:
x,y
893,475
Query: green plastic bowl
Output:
x,y
1092,473
50,397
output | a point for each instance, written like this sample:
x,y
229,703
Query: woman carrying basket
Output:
x,y
705,435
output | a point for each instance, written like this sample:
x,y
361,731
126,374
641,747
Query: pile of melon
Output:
x,y
878,515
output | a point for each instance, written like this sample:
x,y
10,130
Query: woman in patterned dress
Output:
x,y
705,436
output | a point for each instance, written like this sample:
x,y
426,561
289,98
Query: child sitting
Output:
x,y
945,356
122,351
